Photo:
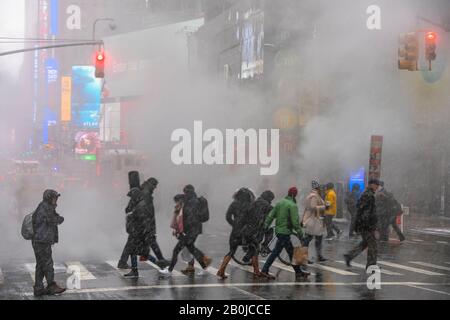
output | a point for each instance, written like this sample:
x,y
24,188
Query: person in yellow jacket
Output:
x,y
330,212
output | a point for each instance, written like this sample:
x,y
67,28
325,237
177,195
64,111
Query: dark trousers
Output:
x,y
317,241
283,242
396,228
383,227
129,247
44,264
369,241
351,229
330,225
188,242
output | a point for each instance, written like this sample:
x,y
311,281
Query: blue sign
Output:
x,y
54,17
86,93
51,70
357,178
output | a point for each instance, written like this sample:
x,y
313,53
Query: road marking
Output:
x,y
442,242
335,270
174,272
425,264
361,266
256,297
85,274
245,268
418,240
428,289
399,266
252,284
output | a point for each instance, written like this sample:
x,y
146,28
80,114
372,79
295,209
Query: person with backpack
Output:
x,y
366,224
252,232
193,214
285,214
45,223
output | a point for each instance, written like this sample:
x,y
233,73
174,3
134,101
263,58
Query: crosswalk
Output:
x,y
336,267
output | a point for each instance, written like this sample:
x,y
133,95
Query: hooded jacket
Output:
x,y
314,209
45,220
257,214
238,209
191,224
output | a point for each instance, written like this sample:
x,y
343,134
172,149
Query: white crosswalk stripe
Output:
x,y
426,264
84,273
334,270
361,266
244,268
416,270
442,242
113,263
174,272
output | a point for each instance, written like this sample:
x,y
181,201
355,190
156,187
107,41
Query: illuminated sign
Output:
x,y
66,96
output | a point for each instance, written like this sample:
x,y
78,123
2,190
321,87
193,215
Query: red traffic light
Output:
x,y
100,56
431,36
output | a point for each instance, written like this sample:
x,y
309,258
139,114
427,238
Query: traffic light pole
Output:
x,y
90,43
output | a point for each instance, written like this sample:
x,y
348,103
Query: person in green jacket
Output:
x,y
285,214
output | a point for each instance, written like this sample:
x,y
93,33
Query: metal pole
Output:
x,y
91,43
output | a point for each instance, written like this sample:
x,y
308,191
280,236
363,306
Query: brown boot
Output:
x,y
255,265
189,269
221,272
207,261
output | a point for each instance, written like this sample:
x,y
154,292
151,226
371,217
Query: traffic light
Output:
x,y
430,46
100,64
408,52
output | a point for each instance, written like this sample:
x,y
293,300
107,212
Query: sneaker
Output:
x,y
347,260
310,262
132,274
123,265
54,289
321,259
329,238
165,272
339,233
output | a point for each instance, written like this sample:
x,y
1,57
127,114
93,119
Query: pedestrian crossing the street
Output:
x,y
332,267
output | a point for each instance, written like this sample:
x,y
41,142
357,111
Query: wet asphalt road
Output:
x,y
416,269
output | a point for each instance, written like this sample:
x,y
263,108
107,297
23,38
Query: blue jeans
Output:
x,y
134,262
283,242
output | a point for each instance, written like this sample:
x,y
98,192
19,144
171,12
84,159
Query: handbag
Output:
x,y
300,256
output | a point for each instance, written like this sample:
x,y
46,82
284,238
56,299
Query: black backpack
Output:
x,y
395,208
203,210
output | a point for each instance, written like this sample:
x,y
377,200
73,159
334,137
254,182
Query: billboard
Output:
x,y
252,44
376,144
87,142
86,93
